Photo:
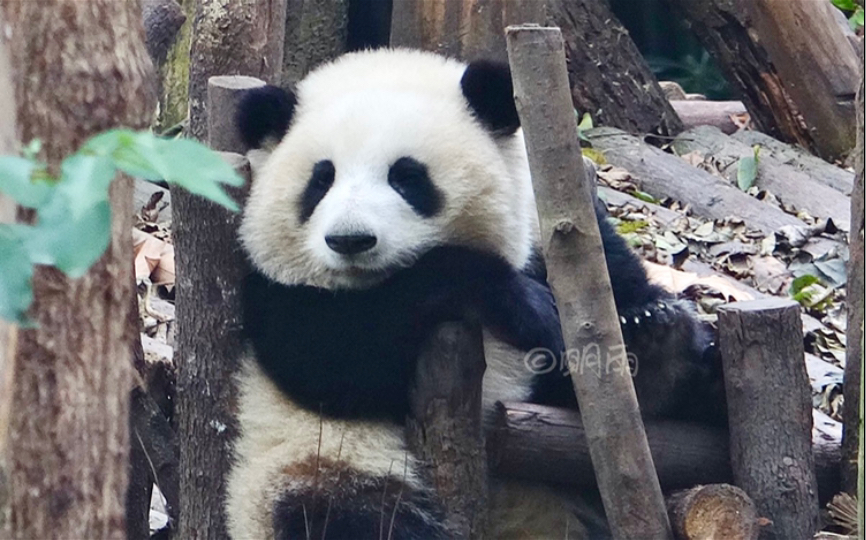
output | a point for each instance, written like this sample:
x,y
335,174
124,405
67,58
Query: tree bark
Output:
x,y
444,430
715,511
726,28
233,37
792,187
68,436
854,295
770,413
548,444
315,33
210,269
8,331
174,74
819,170
609,78
570,239
800,34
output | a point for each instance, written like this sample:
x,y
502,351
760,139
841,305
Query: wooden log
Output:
x,y
791,186
609,78
233,37
210,268
665,175
548,444
818,66
770,413
223,92
444,429
802,160
714,511
853,412
626,477
724,28
709,113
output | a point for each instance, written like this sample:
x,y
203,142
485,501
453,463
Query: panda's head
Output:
x,y
383,155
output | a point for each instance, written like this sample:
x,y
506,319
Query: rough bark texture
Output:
x,y
830,175
162,21
548,444
140,485
174,73
664,175
716,511
855,299
444,431
770,413
8,331
223,93
791,186
725,28
233,37
817,64
570,239
210,268
68,444
609,78
470,29
315,33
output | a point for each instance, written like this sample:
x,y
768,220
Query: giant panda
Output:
x,y
398,196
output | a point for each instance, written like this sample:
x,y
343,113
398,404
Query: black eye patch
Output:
x,y
320,182
410,179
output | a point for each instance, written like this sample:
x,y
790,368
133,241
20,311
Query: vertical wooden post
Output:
x,y
570,239
444,431
770,413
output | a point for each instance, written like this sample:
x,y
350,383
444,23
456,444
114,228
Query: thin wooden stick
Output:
x,y
579,280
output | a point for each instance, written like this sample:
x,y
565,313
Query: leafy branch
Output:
x,y
73,215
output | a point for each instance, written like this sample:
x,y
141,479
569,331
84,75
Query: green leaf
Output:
x,y
32,149
16,272
585,122
845,5
644,196
858,19
802,282
747,172
71,243
16,181
84,182
125,147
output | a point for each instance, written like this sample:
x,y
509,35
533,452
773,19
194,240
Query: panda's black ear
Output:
x,y
487,87
264,113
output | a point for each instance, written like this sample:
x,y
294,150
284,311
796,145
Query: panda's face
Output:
x,y
370,178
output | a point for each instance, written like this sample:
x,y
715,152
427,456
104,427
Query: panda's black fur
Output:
x,y
349,354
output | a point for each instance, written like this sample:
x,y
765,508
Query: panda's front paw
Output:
x,y
522,311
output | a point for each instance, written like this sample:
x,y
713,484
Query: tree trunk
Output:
x,y
854,352
174,74
315,33
233,37
818,66
68,436
609,78
620,454
444,430
726,28
8,331
770,413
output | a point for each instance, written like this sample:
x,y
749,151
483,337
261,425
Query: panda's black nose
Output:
x,y
350,244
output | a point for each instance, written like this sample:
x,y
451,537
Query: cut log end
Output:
x,y
713,511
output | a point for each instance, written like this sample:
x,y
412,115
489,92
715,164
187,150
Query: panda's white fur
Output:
x,y
362,112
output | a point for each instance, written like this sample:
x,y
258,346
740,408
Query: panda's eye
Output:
x,y
320,182
410,179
